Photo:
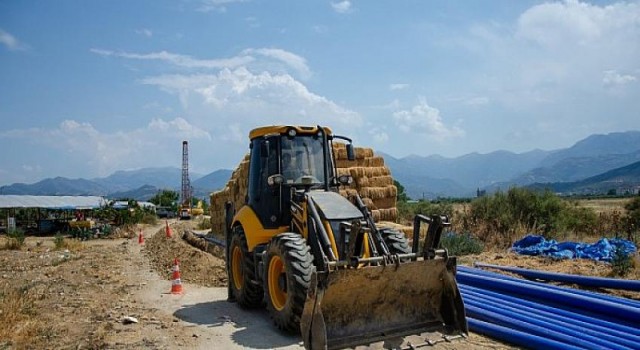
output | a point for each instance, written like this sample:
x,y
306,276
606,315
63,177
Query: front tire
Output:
x,y
396,241
287,277
246,291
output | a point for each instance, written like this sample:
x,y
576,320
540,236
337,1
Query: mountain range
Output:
x,y
436,176
141,184
596,164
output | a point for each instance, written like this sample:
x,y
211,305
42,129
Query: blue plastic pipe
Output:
x,y
484,314
516,337
550,322
618,300
627,335
623,312
599,282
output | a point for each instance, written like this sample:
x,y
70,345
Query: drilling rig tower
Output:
x,y
185,193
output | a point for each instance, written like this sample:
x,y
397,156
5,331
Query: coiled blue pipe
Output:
x,y
617,300
516,337
551,322
616,330
598,282
623,312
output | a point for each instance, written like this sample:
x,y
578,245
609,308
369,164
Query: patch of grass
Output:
x,y
19,323
15,239
461,244
71,244
204,223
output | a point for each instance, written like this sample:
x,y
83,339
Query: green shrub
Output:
x,y
15,239
58,241
578,220
621,264
407,211
502,217
149,218
461,244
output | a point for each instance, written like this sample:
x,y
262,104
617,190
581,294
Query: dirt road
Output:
x,y
80,295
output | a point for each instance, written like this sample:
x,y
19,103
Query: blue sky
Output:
x,y
91,87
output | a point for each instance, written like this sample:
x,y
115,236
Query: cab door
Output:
x,y
263,199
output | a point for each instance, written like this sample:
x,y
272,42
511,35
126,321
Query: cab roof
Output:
x,y
283,129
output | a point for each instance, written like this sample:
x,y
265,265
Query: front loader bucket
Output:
x,y
361,306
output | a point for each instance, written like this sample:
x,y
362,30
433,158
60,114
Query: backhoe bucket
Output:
x,y
370,304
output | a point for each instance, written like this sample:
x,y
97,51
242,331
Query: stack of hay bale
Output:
x,y
372,180
234,191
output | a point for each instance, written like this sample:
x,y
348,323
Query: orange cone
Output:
x,y
176,283
167,229
140,238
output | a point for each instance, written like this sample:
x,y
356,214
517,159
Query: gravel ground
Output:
x,y
79,296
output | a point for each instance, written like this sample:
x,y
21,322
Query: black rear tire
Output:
x,y
396,241
242,277
287,275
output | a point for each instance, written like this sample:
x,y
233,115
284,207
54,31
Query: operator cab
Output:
x,y
286,159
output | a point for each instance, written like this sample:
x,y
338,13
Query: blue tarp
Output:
x,y
603,250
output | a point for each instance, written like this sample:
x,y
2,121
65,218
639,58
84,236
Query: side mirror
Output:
x,y
345,180
350,152
275,180
264,149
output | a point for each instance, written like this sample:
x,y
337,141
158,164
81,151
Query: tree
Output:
x,y
165,198
632,219
402,195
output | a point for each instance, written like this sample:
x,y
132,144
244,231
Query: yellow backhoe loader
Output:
x,y
318,261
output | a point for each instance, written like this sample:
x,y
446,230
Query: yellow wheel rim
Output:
x,y
236,267
278,295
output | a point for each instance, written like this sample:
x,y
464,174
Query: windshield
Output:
x,y
302,157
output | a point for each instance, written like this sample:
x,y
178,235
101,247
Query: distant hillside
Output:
x,y
214,181
423,177
125,180
577,168
461,176
622,179
458,177
57,187
143,193
121,183
597,145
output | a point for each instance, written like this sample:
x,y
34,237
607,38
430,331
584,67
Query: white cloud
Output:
x,y
320,29
179,127
262,58
294,61
398,86
242,93
216,5
145,32
341,7
11,42
106,152
253,22
379,134
611,77
424,119
477,101
179,60
576,23
554,52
